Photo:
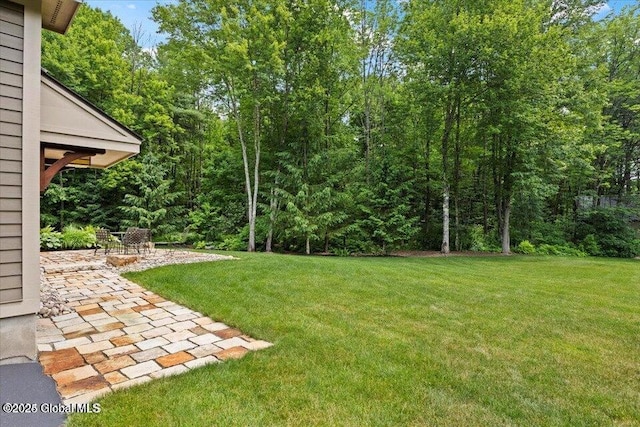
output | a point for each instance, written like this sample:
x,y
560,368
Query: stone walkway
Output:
x,y
122,334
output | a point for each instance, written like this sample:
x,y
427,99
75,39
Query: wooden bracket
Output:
x,y
47,173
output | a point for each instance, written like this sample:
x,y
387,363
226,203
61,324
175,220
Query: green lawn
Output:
x,y
403,341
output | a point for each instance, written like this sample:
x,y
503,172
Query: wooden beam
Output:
x,y
72,148
47,173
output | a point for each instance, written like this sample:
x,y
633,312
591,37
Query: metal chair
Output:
x,y
147,243
104,239
134,238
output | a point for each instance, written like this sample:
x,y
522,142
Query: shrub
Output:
x,y
50,240
478,239
231,243
525,247
590,245
341,252
611,230
565,250
552,233
74,237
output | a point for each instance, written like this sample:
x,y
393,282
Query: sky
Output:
x,y
616,6
134,13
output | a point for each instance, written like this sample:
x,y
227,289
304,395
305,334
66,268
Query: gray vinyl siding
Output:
x,y
11,72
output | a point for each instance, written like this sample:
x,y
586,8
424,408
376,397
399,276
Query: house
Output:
x,y
44,127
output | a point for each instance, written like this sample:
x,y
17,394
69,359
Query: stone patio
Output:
x,y
122,334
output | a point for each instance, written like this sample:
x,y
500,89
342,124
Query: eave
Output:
x,y
76,133
58,14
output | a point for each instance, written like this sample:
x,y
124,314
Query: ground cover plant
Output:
x,y
71,237
403,341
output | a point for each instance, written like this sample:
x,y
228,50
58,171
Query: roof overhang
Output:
x,y
70,123
57,14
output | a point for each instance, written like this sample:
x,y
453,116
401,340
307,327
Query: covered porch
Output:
x,y
74,133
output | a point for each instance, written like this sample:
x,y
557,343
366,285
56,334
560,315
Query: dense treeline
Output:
x,y
364,126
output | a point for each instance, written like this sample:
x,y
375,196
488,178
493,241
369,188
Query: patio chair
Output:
x,y
147,242
134,238
174,241
104,239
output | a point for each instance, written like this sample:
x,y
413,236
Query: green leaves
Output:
x,y
152,203
346,124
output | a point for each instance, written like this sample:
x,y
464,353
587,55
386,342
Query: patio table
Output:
x,y
118,235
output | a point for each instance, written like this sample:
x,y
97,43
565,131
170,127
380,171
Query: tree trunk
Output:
x,y
507,192
448,124
273,205
506,238
308,246
256,178
457,177
251,201
445,249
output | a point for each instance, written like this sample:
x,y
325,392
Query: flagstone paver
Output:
x,y
232,353
174,370
151,343
152,353
204,350
179,346
232,342
174,359
121,334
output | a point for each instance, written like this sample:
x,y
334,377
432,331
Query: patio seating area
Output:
x,y
120,333
135,239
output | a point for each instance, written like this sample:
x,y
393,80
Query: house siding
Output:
x,y
11,150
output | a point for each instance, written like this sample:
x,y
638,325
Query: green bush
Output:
x,y
552,233
611,229
478,240
174,237
50,240
231,243
525,247
341,252
565,250
74,237
200,245
590,245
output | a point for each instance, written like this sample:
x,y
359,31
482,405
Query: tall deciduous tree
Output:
x,y
441,55
241,48
619,46
321,124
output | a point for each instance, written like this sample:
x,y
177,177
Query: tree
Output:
x,y
330,124
619,46
241,47
439,49
522,77
99,59
151,205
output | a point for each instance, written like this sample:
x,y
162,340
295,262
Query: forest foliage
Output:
x,y
364,126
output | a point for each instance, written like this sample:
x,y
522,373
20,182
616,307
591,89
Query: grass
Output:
x,y
403,341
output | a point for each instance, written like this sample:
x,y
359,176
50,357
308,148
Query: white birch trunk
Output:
x,y
445,249
252,192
